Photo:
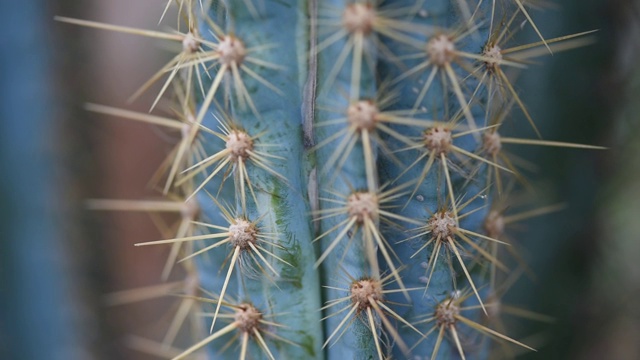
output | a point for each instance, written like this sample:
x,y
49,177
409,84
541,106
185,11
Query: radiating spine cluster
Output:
x,y
339,152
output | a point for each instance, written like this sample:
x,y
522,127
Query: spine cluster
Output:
x,y
340,176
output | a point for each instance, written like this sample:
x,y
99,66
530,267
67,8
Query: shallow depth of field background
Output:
x,y
57,261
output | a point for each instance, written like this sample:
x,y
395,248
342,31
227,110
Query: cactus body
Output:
x,y
345,146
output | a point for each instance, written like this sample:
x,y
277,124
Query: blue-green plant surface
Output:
x,y
351,179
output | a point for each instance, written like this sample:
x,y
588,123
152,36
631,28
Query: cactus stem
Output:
x,y
230,55
440,52
250,322
444,230
364,209
360,23
448,314
495,54
437,144
243,235
240,149
360,49
365,120
367,294
246,239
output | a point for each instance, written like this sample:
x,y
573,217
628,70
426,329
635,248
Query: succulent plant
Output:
x,y
340,174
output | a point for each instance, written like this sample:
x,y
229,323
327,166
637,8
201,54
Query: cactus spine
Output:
x,y
344,156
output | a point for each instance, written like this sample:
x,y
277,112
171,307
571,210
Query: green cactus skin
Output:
x,y
283,203
432,194
311,63
348,258
334,71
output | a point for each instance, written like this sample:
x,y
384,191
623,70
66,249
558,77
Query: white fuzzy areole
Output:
x,y
446,313
239,144
231,50
441,50
362,205
492,143
364,289
242,234
363,115
438,140
494,224
190,43
442,225
359,18
247,318
494,57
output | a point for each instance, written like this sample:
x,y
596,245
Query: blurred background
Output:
x,y
58,261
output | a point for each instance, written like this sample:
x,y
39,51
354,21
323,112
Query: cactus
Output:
x,y
335,172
